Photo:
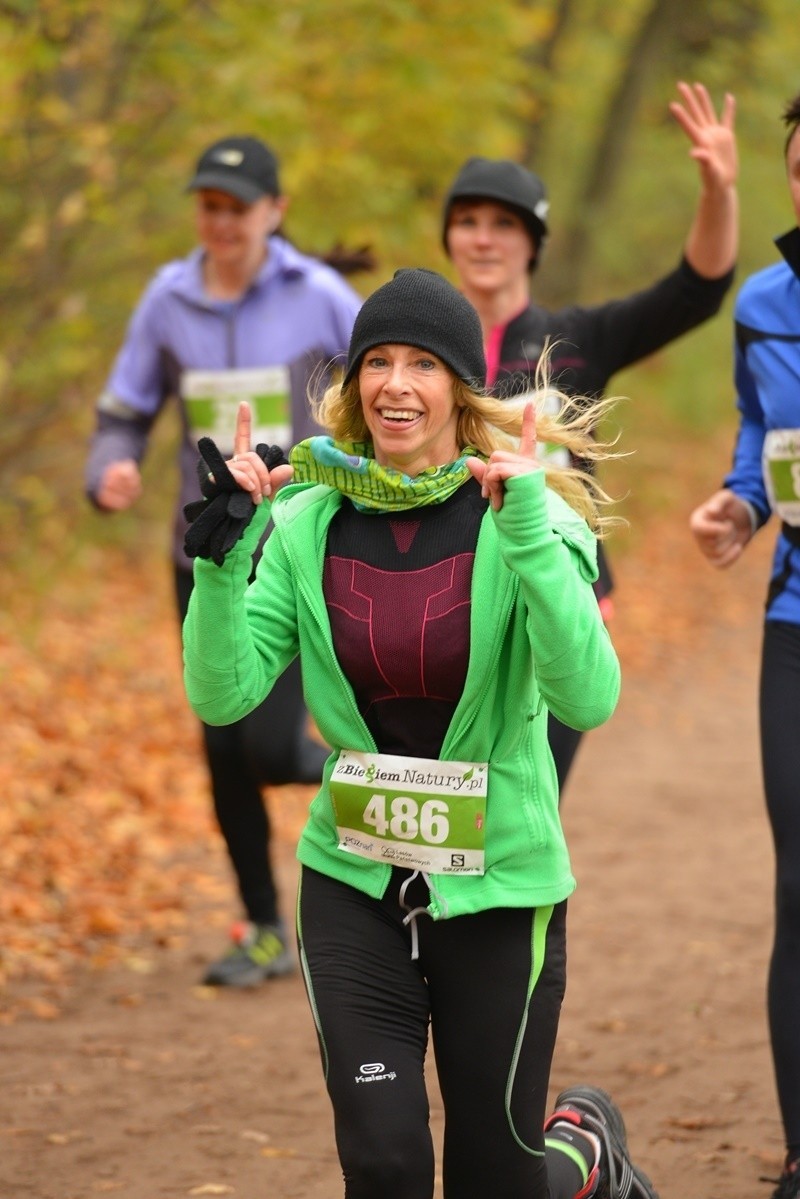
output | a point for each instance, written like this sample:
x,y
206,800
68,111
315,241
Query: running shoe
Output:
x,y
789,1182
594,1111
258,952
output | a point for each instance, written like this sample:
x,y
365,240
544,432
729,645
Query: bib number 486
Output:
x,y
407,819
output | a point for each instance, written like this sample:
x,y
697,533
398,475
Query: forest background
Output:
x,y
371,106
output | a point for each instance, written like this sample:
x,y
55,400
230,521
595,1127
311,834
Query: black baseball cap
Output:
x,y
240,166
505,182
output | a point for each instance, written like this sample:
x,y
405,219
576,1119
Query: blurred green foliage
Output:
x,y
105,104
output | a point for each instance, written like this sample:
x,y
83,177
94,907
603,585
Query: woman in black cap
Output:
x,y
435,579
244,316
496,222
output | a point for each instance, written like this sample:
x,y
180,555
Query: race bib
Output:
x,y
212,399
780,463
416,812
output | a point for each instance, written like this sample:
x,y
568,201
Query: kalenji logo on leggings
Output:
x,y
375,1072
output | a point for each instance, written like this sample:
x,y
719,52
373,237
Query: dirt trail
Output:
x,y
147,1085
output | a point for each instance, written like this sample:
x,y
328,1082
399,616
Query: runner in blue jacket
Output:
x,y
245,316
765,478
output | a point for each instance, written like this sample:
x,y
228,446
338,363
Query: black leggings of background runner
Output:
x,y
269,746
780,752
563,742
492,1042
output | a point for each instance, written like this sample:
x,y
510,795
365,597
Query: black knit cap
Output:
x,y
420,308
505,182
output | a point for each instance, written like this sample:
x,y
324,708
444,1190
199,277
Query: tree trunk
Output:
x,y
540,61
655,33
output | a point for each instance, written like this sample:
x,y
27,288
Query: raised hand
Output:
x,y
230,491
713,138
247,467
505,464
722,527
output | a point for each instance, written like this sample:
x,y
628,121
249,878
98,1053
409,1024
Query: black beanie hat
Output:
x,y
507,183
420,308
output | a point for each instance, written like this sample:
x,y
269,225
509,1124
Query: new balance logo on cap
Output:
x,y
231,158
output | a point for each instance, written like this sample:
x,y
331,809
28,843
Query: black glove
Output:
x,y
219,520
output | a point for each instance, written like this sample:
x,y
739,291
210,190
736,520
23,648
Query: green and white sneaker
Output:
x,y
259,952
592,1111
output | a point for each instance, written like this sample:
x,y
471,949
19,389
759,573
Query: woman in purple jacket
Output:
x,y
245,316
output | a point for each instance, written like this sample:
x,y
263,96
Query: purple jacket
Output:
x,y
297,315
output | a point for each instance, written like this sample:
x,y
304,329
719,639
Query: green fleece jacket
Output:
x,y
537,642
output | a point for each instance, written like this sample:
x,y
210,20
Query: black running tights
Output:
x,y
780,753
489,985
563,742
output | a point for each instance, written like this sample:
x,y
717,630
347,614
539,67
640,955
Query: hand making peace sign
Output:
x,y
505,464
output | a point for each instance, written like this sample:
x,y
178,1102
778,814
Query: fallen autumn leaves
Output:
x,y
102,779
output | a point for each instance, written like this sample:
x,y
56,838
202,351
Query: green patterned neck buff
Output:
x,y
347,466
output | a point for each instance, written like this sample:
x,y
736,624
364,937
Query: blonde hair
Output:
x,y
489,424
